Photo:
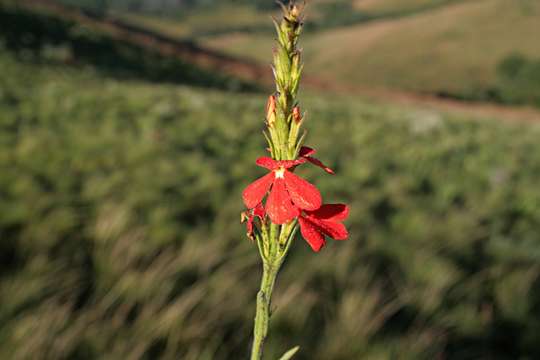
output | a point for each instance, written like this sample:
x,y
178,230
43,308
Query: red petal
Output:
x,y
310,233
254,192
279,207
267,162
259,211
303,194
318,163
287,164
306,151
332,212
335,230
271,164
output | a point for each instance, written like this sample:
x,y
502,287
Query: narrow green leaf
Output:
x,y
289,354
270,144
300,143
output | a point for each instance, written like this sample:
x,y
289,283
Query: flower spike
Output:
x,y
281,200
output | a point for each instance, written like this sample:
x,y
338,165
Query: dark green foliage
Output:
x,y
519,80
518,83
512,65
119,232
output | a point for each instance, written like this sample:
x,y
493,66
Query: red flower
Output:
x,y
306,152
288,192
257,211
326,220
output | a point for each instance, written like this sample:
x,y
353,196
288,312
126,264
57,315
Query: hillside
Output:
x,y
449,49
121,173
460,57
454,49
119,232
68,34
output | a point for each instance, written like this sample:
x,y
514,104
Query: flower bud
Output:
x,y
295,12
271,111
244,216
297,117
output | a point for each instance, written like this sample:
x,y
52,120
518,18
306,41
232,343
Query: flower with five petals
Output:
x,y
288,193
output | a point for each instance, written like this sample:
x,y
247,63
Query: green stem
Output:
x,y
262,316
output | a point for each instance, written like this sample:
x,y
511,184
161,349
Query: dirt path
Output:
x,y
254,72
473,109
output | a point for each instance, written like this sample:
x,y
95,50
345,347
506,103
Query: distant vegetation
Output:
x,y
447,48
519,80
517,83
41,36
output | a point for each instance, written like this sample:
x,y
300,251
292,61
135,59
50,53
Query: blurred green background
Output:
x,y
122,162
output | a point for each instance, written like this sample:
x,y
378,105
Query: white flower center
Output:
x,y
279,173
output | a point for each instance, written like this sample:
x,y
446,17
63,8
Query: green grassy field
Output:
x,y
120,233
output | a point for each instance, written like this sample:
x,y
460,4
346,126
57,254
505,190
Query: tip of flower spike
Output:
x,y
292,12
295,12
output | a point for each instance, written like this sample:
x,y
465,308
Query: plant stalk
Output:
x,y
262,315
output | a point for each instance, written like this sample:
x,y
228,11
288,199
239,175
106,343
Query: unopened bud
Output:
x,y
297,117
271,111
295,12
244,216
